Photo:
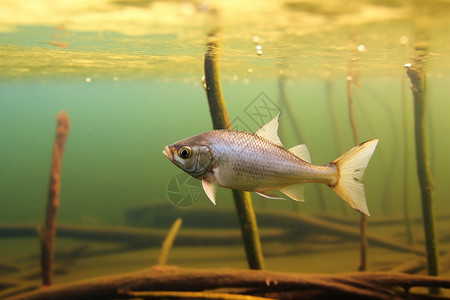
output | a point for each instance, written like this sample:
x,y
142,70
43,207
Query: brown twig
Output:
x,y
412,266
17,290
418,77
48,235
140,237
190,295
361,285
168,242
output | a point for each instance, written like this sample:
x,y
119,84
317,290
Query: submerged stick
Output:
x,y
190,295
49,231
217,106
417,76
292,227
17,290
361,285
242,200
168,242
249,230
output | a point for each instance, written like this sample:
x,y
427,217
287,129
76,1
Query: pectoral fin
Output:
x,y
270,195
295,192
210,190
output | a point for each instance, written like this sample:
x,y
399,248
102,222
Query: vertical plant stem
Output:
x,y
168,242
242,200
48,236
217,106
363,219
417,76
249,229
363,243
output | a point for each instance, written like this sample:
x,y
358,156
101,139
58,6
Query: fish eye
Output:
x,y
185,152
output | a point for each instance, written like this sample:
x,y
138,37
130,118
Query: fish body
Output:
x,y
249,162
259,163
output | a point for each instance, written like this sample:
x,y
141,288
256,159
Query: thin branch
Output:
x,y
48,236
417,75
361,285
168,242
191,295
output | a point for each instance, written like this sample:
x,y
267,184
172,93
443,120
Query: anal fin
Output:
x,y
295,191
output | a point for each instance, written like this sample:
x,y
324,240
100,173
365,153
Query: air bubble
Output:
x,y
403,40
204,83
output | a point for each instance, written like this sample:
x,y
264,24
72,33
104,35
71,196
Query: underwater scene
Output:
x,y
103,196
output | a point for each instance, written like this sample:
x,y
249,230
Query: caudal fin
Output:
x,y
352,165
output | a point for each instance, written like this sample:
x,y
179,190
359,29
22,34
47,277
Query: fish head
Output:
x,y
192,155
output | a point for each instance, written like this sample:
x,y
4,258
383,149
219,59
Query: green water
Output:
x,y
129,73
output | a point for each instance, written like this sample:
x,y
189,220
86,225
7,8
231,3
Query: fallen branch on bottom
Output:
x,y
362,285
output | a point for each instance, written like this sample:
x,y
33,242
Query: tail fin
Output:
x,y
352,165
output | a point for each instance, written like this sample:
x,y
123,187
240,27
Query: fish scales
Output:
x,y
249,162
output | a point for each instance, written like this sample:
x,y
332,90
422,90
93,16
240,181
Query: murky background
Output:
x,y
129,74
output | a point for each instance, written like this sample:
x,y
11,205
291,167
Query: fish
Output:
x,y
259,163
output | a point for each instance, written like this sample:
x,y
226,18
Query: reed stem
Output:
x,y
219,115
168,242
417,75
49,231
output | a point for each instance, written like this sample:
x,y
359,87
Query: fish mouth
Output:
x,y
168,153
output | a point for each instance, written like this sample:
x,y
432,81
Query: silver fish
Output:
x,y
259,163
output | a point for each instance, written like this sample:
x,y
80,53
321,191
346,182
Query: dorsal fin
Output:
x,y
302,152
269,132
